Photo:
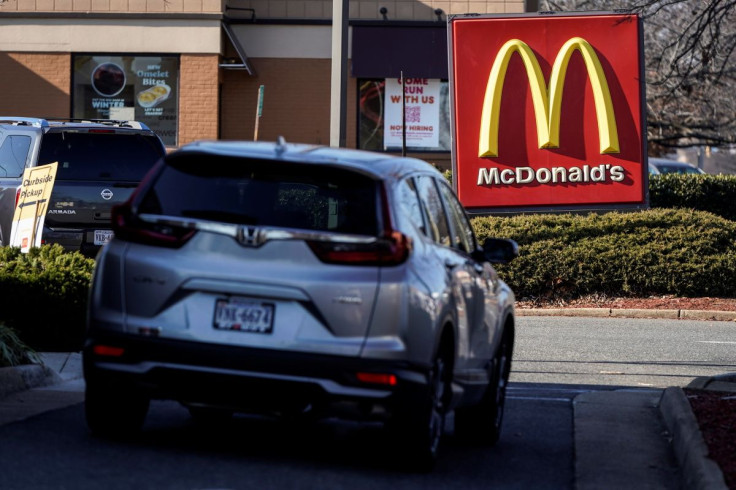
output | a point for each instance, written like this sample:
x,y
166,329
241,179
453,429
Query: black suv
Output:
x,y
100,163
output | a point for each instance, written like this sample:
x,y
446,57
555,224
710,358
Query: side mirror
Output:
x,y
500,250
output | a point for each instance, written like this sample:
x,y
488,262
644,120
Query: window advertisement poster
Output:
x,y
422,113
33,201
141,88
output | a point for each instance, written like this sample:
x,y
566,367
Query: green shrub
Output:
x,y
12,350
664,251
713,193
44,294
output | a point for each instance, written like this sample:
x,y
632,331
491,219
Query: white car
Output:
x,y
658,166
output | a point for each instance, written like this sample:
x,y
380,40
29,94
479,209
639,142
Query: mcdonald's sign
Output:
x,y
547,112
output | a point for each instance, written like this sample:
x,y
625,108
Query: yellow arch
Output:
x,y
547,103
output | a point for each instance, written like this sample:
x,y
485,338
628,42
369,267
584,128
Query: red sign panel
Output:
x,y
548,111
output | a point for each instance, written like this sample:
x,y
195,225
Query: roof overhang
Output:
x,y
242,62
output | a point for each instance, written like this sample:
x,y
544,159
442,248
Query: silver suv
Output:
x,y
100,163
294,280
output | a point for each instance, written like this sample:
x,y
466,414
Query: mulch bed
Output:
x,y
715,412
652,302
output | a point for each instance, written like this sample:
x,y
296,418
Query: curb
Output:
x,y
21,378
725,316
698,471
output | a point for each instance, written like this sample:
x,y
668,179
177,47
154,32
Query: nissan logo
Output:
x,y
106,194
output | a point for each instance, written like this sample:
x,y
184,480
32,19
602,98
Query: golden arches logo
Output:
x,y
547,102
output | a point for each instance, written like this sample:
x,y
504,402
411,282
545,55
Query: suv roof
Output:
x,y
377,164
51,122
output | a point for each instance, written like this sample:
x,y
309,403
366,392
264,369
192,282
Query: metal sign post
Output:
x,y
403,115
259,112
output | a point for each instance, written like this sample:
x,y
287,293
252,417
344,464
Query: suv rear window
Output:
x,y
100,156
266,193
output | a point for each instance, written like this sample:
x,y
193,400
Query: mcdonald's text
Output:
x,y
555,175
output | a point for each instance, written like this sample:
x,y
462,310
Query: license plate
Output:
x,y
243,315
103,237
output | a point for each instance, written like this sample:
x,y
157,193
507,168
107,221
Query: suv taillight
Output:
x,y
128,226
17,196
390,249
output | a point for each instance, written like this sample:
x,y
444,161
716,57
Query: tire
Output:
x,y
419,432
481,423
114,411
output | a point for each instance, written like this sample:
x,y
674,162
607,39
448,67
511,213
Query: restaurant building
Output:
x,y
192,69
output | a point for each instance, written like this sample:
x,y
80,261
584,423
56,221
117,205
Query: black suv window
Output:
x,y
13,154
265,193
100,156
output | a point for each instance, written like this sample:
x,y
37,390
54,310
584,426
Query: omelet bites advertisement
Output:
x,y
548,111
143,88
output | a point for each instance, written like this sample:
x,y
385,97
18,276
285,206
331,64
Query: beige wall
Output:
x,y
273,9
369,9
147,6
109,35
35,84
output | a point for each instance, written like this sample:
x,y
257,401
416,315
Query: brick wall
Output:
x,y
35,84
296,103
198,97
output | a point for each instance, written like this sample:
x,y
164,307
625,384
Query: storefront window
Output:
x,y
427,114
141,88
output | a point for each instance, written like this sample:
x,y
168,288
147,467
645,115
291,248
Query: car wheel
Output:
x,y
481,423
114,411
420,431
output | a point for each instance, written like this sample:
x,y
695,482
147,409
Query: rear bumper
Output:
x,y
251,380
72,239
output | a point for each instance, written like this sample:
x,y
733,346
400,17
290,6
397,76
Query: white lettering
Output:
x,y
521,179
544,175
559,174
598,174
554,175
507,176
617,173
488,176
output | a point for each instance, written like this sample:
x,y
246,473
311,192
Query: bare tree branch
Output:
x,y
690,70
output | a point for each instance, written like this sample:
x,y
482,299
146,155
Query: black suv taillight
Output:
x,y
390,249
128,226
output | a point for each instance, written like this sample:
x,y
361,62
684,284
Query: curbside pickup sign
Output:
x,y
33,201
548,112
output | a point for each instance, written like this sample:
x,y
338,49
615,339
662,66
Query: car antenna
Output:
x,y
280,145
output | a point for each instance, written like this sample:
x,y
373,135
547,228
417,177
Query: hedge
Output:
x,y
44,296
660,251
714,193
